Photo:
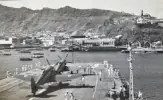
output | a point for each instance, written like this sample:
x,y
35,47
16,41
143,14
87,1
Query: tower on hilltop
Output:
x,y
142,13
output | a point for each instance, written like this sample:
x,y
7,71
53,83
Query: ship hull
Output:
x,y
112,49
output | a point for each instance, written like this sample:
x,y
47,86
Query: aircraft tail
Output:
x,y
38,89
33,86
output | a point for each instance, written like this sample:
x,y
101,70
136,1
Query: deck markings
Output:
x,y
96,84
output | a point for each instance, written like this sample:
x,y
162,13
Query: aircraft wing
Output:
x,y
41,91
68,77
26,76
43,88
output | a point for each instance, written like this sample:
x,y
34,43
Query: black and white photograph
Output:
x,y
81,49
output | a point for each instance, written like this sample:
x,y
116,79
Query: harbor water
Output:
x,y
148,68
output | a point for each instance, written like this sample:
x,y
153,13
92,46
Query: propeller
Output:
x,y
59,57
66,56
48,62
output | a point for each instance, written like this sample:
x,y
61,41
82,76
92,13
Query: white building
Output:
x,y
105,42
5,42
47,41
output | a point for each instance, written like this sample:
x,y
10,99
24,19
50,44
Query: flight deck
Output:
x,y
95,89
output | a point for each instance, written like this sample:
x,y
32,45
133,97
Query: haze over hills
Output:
x,y
70,20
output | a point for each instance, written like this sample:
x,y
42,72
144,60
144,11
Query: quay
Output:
x,y
94,89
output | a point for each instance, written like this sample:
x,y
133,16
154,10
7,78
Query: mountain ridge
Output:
x,y
68,20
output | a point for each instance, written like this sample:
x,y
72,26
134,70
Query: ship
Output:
x,y
103,48
142,50
108,87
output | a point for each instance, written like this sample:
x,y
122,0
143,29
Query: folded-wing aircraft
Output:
x,y
63,65
42,79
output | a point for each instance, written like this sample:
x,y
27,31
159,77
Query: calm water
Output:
x,y
148,68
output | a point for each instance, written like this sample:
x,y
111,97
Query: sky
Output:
x,y
153,7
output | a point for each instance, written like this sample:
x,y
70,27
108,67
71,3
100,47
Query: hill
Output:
x,y
70,20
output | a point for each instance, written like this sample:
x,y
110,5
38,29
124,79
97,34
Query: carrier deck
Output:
x,y
14,89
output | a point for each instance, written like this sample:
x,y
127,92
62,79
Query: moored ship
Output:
x,y
103,48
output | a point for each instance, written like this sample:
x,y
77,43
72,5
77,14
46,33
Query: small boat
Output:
x,y
18,49
6,54
26,59
7,50
52,50
160,51
24,51
125,51
38,55
66,50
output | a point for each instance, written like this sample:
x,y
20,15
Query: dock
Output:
x,y
94,89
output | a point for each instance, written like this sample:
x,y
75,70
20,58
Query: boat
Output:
x,y
102,48
38,55
160,51
26,58
6,54
25,51
96,48
66,50
140,50
52,50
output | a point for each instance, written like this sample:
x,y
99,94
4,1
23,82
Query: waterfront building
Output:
x,y
5,42
105,42
47,41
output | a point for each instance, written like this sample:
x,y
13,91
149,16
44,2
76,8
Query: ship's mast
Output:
x,y
72,51
131,85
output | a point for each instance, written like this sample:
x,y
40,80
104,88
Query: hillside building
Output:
x,y
145,19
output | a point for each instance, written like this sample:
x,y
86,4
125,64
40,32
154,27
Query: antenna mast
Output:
x,y
72,51
131,85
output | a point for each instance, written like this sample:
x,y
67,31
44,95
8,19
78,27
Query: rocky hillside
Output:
x,y
70,20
